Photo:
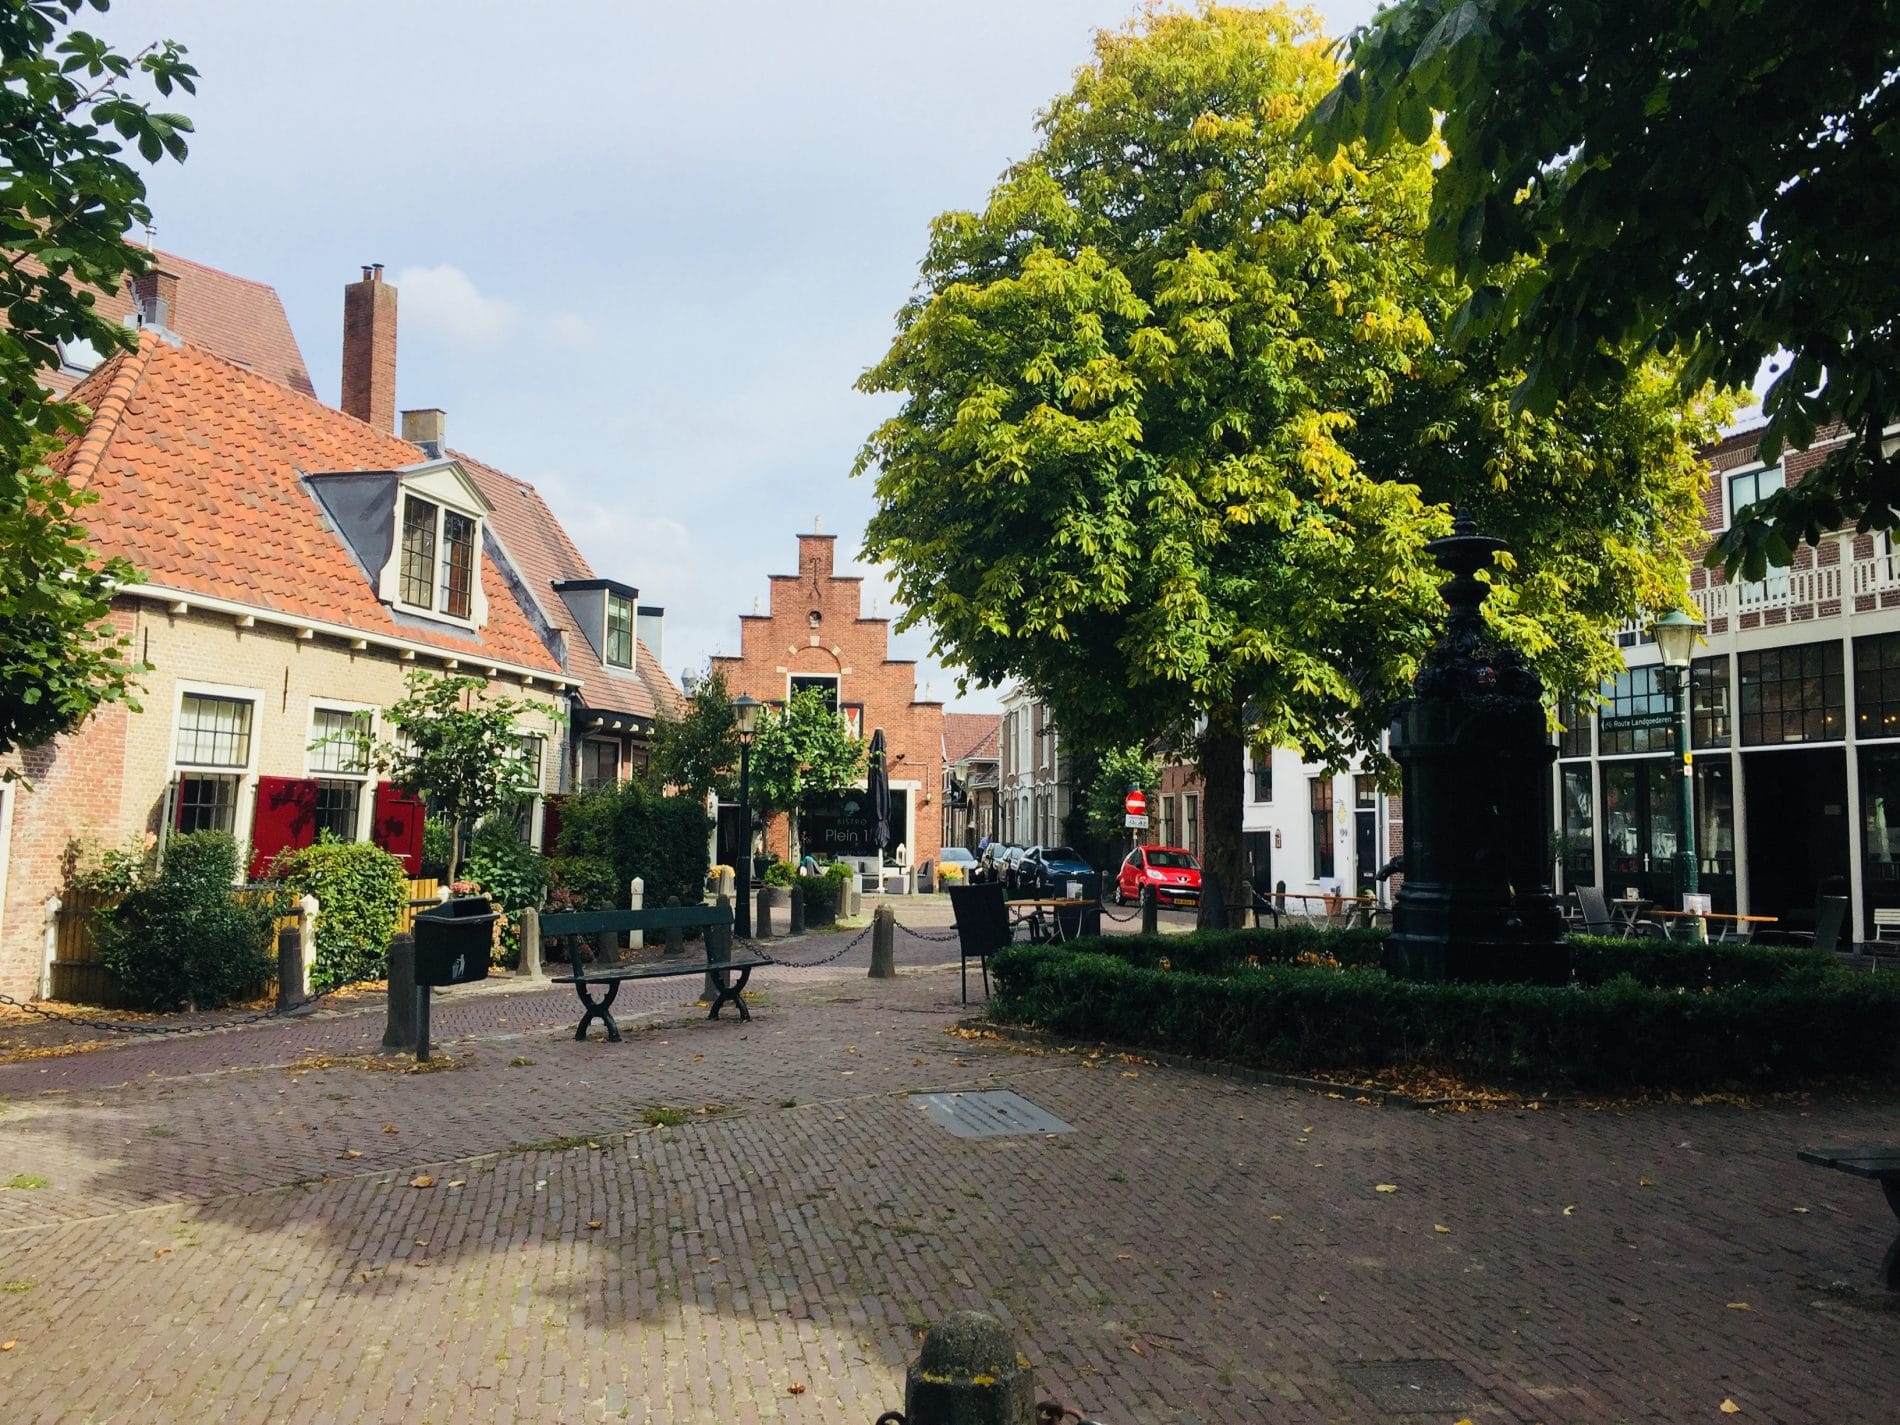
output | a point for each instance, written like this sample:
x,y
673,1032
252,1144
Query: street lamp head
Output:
x,y
1676,635
745,712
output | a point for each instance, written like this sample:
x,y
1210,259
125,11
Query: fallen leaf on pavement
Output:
x,y
1729,1407
1124,1256
916,1063
349,1153
1740,1306
8,1345
159,1252
1570,1209
1219,1295
421,1180
389,1128
1386,1187
1135,1346
1801,1209
1644,1182
594,1224
1440,1227
711,1260
457,1182
795,1388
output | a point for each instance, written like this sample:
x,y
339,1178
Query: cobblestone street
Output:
x,y
224,1228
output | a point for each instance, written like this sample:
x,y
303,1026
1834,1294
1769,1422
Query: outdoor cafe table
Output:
x,y
1629,910
1732,925
1030,912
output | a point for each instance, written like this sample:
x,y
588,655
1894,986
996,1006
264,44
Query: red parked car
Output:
x,y
1168,873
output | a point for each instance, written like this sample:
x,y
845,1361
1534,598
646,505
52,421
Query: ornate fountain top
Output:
x,y
1466,663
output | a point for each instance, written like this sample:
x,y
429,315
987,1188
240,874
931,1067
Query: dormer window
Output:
x,y
618,652
446,586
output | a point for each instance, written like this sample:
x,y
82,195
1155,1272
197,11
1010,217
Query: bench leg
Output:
x,y
731,993
598,1009
1890,1264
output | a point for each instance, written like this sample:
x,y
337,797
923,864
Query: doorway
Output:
x,y
1796,803
1365,833
1639,830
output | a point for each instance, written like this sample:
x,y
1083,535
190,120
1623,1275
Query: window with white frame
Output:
x,y
438,558
212,753
529,747
339,761
1745,489
619,649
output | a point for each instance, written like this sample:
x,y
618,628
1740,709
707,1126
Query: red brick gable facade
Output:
x,y
815,628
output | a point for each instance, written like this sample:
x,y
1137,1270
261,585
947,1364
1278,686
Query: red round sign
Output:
x,y
1136,804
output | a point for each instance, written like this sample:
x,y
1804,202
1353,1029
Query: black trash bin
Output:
x,y
453,940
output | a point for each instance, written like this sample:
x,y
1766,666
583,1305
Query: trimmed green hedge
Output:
x,y
1677,964
361,894
1619,1034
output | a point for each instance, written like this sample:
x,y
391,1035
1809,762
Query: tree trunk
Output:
x,y
455,848
1223,772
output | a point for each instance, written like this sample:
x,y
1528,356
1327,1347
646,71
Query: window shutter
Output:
x,y
551,823
286,818
396,826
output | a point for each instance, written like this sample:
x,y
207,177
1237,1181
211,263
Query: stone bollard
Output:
x,y
726,883
675,937
1243,907
853,898
795,919
399,1031
969,1373
307,909
883,943
289,967
637,893
1150,914
530,935
762,922
718,946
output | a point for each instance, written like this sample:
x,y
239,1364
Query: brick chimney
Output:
x,y
157,294
369,349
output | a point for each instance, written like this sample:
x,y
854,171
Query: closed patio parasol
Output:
x,y
877,784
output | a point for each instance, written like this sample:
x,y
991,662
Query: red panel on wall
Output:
x,y
551,823
286,817
397,826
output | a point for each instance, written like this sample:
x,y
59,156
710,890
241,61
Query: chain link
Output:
x,y
758,949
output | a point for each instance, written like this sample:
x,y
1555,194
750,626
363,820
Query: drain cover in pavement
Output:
x,y
990,1113
1402,1387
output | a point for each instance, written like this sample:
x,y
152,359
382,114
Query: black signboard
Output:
x,y
839,823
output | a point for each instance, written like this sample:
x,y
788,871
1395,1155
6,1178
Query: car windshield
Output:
x,y
956,853
1060,853
1173,860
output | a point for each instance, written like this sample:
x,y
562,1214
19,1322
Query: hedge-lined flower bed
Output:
x,y
1776,1016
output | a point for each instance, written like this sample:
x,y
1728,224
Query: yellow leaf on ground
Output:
x,y
389,1128
1729,1407
1219,1294
457,1182
8,1345
1644,1182
594,1224
1386,1187
421,1180
1740,1306
795,1388
710,1261
350,1153
1570,1209
1135,1346
1440,1227
1801,1209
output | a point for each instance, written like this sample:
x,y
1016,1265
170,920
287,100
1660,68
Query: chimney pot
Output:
x,y
369,349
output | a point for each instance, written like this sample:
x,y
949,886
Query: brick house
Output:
x,y
814,634
295,562
971,772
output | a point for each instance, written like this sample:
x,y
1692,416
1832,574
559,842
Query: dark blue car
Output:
x,y
1047,870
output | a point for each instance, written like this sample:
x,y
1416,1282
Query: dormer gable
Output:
x,y
418,535
607,612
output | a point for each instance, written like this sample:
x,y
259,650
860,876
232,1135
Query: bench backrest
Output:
x,y
666,917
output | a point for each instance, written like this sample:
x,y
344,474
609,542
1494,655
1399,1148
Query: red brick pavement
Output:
x,y
1195,1251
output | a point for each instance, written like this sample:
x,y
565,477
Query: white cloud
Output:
x,y
444,302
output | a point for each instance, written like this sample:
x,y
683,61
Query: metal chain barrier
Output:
x,y
757,948
117,1026
919,935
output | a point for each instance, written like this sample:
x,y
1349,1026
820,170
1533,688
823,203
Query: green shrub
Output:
x,y
1679,964
184,940
581,883
511,873
438,844
361,892
1216,951
1618,1034
781,874
640,832
821,894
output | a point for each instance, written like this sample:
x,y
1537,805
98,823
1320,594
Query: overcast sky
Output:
x,y
643,249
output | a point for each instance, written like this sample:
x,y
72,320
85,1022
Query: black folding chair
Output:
x,y
1596,912
983,928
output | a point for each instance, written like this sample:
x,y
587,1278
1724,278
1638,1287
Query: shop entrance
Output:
x,y
1797,827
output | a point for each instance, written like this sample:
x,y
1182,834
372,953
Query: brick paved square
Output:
x,y
226,1236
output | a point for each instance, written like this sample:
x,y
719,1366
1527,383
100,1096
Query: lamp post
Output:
x,y
745,714
1676,636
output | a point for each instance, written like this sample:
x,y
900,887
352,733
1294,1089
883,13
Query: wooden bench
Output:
x,y
1883,1166
716,923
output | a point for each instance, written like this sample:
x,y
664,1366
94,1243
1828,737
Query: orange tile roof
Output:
x,y
234,317
967,735
197,464
542,551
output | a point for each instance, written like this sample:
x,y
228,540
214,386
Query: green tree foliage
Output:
x,y
802,750
457,750
361,894
1178,424
699,752
1118,771
183,940
67,197
1716,179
